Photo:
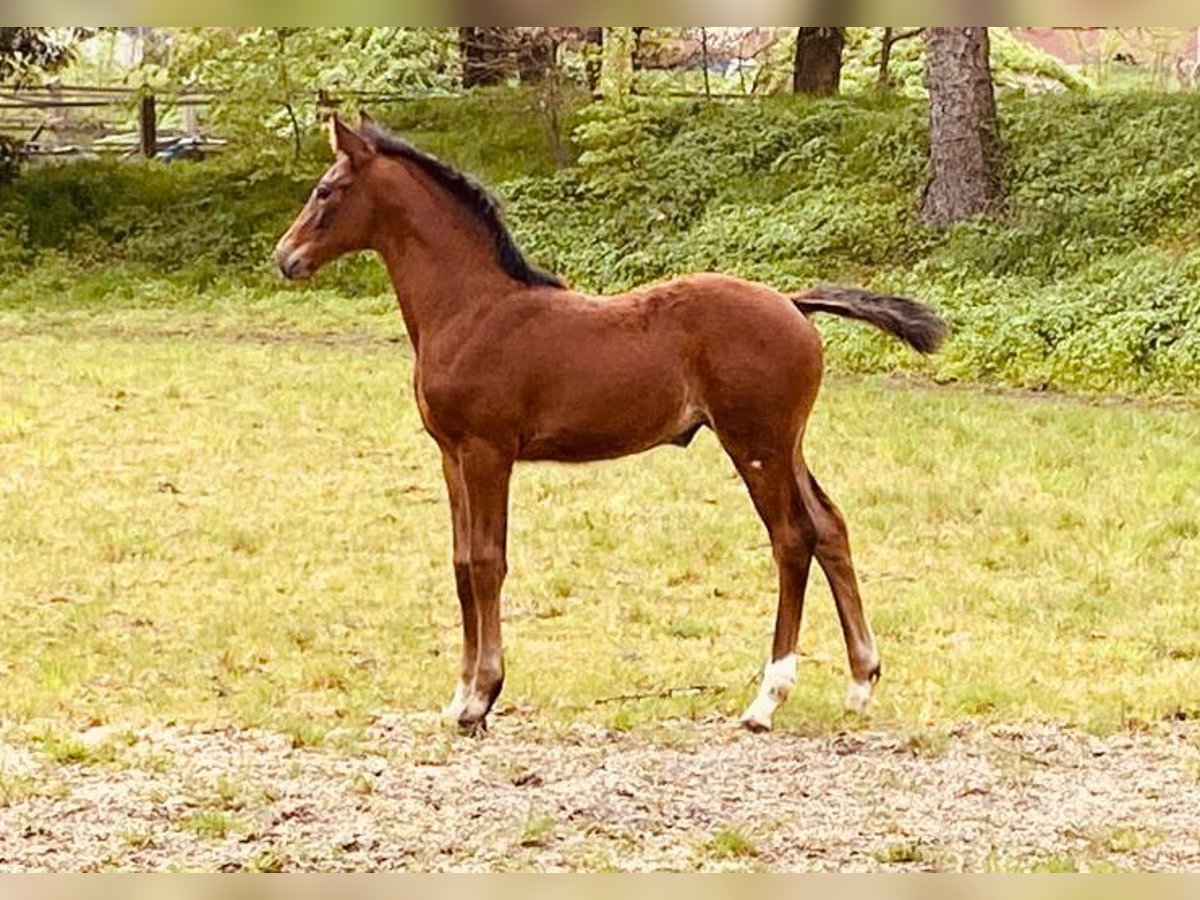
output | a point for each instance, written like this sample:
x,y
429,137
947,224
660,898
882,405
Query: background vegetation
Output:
x,y
1088,282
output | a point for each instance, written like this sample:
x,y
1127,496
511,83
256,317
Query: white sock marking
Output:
x,y
452,710
858,696
779,678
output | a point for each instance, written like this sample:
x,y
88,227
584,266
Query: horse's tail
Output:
x,y
912,322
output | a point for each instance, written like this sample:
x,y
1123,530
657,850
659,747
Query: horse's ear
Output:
x,y
365,121
343,139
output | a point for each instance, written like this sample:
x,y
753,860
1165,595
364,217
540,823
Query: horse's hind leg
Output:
x,y
768,474
833,553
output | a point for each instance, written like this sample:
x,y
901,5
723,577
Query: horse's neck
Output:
x,y
441,261
440,275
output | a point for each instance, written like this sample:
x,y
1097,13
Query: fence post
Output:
x,y
149,124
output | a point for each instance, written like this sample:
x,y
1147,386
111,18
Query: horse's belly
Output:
x,y
582,435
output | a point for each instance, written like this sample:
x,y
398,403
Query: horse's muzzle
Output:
x,y
292,263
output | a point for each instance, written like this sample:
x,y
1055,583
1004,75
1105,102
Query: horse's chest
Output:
x,y
431,407
447,408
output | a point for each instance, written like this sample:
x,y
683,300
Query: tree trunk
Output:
x,y
593,51
484,53
818,66
884,82
890,38
964,150
537,54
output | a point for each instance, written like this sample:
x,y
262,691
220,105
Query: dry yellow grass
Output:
x,y
219,529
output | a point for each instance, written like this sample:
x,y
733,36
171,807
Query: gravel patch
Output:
x,y
685,796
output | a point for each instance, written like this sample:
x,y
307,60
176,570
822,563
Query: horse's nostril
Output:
x,y
290,265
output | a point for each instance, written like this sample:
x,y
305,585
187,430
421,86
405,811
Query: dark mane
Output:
x,y
475,198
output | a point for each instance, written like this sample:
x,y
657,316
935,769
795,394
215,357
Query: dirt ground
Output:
x,y
684,797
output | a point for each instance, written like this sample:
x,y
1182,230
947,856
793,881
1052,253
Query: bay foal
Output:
x,y
510,364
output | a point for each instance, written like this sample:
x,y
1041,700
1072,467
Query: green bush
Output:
x,y
1088,282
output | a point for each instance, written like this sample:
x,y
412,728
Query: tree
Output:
x,y
817,69
616,67
889,39
964,149
270,81
24,51
537,52
486,55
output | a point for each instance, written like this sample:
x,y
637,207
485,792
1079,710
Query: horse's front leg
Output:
x,y
485,470
462,582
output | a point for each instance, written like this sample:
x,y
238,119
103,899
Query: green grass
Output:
x,y
538,830
65,749
17,787
209,823
907,851
245,523
731,843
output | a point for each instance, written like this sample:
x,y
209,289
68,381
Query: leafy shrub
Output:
x,y
1088,283
163,216
1016,65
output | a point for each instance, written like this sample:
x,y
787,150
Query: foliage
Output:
x,y
145,213
1016,65
220,219
616,72
683,185
266,80
1088,284
1019,65
28,51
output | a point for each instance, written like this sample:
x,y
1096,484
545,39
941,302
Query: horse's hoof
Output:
x,y
474,728
754,725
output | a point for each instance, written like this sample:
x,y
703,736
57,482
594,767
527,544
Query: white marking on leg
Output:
x,y
476,703
779,678
858,693
858,696
452,710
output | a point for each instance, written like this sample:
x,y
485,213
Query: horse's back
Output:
x,y
747,347
735,324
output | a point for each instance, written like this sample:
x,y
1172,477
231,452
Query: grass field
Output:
x,y
228,514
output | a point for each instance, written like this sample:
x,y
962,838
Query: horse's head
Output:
x,y
337,218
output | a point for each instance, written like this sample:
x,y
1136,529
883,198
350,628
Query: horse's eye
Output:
x,y
322,192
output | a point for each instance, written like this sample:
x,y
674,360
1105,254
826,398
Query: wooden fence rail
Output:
x,y
26,112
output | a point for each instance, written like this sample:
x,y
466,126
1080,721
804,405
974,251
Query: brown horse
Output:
x,y
510,364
